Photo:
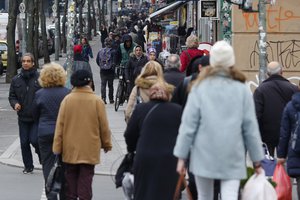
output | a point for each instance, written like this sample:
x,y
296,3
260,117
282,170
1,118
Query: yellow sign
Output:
x,y
175,23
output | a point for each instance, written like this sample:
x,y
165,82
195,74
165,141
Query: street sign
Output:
x,y
22,7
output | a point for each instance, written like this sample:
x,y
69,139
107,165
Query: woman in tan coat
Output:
x,y
151,73
81,131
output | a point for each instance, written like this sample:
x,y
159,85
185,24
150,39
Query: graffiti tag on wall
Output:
x,y
276,16
285,52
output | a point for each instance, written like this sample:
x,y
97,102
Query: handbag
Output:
x,y
268,163
55,177
125,166
181,180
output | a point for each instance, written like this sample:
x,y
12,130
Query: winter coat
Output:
x,y
144,85
187,55
87,52
173,76
45,108
82,128
22,90
153,139
288,125
134,67
217,127
270,99
80,63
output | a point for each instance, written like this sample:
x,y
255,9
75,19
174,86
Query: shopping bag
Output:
x,y
55,177
125,166
268,163
258,188
283,183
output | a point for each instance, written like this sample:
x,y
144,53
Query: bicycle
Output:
x,y
121,94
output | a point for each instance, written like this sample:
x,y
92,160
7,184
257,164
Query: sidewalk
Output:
x,y
111,160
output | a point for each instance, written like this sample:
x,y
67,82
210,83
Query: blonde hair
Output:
x,y
192,42
52,75
151,68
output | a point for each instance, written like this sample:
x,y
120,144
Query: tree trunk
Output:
x,y
99,14
43,31
94,19
11,27
80,20
103,13
89,19
64,19
36,33
30,34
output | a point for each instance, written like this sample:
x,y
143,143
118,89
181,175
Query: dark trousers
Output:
x,y
28,135
79,178
47,159
109,80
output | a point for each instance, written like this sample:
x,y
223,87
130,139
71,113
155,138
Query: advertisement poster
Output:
x,y
209,9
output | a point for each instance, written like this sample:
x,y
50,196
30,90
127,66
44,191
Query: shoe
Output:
x,y
111,101
28,170
104,101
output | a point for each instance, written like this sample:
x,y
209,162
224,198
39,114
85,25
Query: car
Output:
x,y
3,56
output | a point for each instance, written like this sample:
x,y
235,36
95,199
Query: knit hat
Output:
x,y
77,49
81,78
222,55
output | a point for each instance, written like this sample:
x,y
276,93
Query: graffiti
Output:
x,y
275,17
254,84
285,52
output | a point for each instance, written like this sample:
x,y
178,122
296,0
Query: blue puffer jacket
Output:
x,y
45,108
288,122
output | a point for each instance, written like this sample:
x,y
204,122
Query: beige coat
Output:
x,y
82,128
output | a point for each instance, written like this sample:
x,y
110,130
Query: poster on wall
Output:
x,y
209,9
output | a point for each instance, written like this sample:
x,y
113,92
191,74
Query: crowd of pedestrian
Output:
x,y
193,114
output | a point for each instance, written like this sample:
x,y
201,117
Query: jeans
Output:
x,y
107,79
28,135
79,178
205,188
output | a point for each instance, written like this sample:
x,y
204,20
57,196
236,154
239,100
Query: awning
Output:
x,y
170,7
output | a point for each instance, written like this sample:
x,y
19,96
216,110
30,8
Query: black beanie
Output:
x,y
81,78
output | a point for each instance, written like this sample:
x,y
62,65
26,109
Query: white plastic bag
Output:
x,y
259,188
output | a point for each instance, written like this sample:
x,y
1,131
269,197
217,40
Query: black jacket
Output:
x,y
134,67
173,76
270,99
22,90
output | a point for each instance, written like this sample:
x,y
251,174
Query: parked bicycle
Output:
x,y
121,95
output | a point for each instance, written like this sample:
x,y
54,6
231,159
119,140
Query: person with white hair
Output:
x,y
270,98
218,126
172,74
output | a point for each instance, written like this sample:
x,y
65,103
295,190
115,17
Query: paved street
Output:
x,y
10,153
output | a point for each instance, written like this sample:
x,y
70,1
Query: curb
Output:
x,y
7,158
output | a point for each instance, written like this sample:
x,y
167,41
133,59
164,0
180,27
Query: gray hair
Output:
x,y
173,61
274,68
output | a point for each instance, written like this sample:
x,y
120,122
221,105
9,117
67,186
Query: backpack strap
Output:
x,y
149,112
188,55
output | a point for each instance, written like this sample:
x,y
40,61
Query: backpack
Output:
x,y
105,59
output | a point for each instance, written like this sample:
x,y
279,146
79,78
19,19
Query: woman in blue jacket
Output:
x,y
288,125
45,108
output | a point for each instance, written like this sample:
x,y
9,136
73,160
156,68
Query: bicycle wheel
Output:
x,y
118,100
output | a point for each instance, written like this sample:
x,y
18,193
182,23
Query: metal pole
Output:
x,y
70,42
262,41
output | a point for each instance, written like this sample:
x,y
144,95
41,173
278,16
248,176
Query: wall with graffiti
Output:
x,y
283,26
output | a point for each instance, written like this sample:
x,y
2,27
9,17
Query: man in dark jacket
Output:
x,y
172,74
107,70
21,94
270,99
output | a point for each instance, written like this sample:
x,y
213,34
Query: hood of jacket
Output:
x,y
296,101
146,82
